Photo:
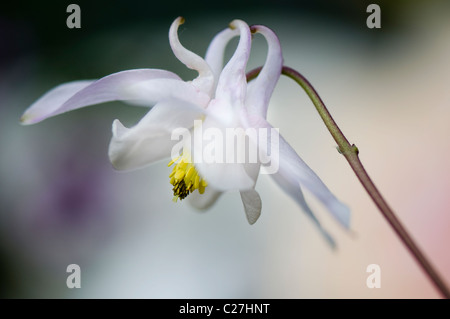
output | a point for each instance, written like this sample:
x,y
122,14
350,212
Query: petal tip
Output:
x,y
234,24
28,119
116,160
25,119
252,221
117,128
114,165
180,20
331,242
252,205
342,213
114,146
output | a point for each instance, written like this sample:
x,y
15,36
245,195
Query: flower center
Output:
x,y
185,178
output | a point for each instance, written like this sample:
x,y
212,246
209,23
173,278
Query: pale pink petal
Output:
x,y
224,165
232,84
293,189
75,95
152,91
216,51
150,139
260,89
52,100
205,79
292,173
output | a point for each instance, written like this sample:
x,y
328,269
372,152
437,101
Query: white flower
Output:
x,y
221,98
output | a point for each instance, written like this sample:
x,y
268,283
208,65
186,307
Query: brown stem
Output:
x,y
350,152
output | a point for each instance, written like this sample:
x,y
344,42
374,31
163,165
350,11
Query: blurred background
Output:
x,y
62,203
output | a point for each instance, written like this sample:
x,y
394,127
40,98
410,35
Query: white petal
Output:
x,y
205,79
74,95
205,200
150,139
216,51
252,205
219,163
296,173
51,101
152,91
224,176
293,173
232,83
294,191
260,89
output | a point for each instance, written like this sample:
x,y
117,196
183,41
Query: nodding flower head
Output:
x,y
221,99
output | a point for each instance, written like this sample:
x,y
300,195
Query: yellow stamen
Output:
x,y
179,174
185,178
197,182
172,161
190,172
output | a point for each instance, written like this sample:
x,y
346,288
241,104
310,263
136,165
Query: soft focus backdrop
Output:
x,y
61,202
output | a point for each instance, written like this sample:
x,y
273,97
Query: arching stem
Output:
x,y
350,152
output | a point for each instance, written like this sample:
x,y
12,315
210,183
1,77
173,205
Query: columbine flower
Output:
x,y
220,98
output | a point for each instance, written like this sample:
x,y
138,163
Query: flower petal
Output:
x,y
74,95
232,83
205,79
292,188
252,205
260,90
150,92
226,176
216,51
50,102
219,152
293,173
205,200
150,139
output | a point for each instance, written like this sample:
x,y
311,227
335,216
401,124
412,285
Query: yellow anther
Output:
x,y
185,178
172,161
190,172
182,164
197,182
179,174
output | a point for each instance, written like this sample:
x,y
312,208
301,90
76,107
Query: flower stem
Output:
x,y
350,152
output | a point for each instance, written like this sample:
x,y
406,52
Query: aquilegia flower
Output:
x,y
219,98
